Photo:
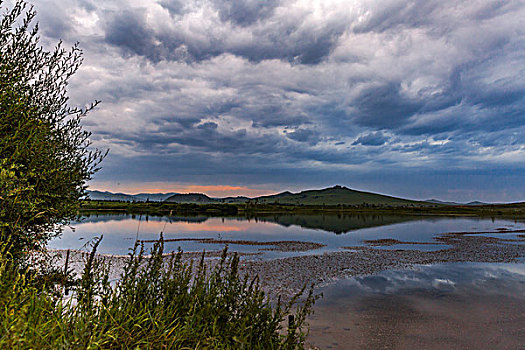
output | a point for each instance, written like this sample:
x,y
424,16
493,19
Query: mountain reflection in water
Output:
x,y
336,223
329,232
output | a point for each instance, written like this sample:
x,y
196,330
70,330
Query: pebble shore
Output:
x,y
286,276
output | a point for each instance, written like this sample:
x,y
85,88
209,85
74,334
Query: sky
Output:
x,y
418,99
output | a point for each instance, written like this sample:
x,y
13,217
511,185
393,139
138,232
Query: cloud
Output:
x,y
384,106
174,7
281,88
245,12
128,30
303,135
372,139
203,30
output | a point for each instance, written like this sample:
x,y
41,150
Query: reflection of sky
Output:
x,y
440,279
120,233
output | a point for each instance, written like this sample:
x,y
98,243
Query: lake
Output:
x,y
433,306
333,231
443,306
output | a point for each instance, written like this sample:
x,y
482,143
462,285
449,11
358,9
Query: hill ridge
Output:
x,y
335,195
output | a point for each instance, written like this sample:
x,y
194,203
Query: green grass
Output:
x,y
156,208
254,210
158,303
336,195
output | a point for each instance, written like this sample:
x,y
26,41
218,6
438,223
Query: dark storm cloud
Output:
x,y
303,135
282,88
245,12
384,107
175,7
293,41
128,30
372,139
289,39
202,137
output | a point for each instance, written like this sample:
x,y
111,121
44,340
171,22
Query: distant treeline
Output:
x,y
516,210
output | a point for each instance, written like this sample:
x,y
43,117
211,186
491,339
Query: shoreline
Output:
x,y
286,276
359,261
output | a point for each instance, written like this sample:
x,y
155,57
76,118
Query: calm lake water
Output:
x,y
444,306
334,231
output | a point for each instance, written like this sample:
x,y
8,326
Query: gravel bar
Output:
x,y
288,275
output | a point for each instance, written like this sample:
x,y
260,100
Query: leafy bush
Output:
x,y
45,159
158,303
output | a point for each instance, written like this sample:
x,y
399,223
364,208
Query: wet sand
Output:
x,y
286,276
282,246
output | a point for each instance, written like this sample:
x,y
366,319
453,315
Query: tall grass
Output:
x,y
158,303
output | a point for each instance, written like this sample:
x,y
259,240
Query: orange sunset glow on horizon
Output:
x,y
165,187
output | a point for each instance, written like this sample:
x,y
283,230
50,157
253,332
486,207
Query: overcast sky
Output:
x,y
417,99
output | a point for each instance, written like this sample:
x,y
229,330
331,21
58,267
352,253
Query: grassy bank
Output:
x,y
158,303
513,211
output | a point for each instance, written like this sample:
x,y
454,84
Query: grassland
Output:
x,y
334,200
159,302
512,210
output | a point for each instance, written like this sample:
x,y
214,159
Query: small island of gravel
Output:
x,y
286,276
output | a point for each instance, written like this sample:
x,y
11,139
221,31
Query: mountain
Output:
x,y
153,197
141,197
437,201
329,196
109,196
334,196
196,198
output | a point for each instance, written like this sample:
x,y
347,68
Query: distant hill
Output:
x,y
437,201
334,196
196,198
141,197
153,197
109,196
234,200
329,196
476,203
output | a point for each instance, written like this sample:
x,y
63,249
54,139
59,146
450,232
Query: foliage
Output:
x,y
45,158
157,303
45,161
276,212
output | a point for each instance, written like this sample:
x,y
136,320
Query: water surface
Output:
x,y
334,231
444,306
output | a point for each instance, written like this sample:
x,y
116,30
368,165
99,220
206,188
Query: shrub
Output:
x,y
158,303
45,159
